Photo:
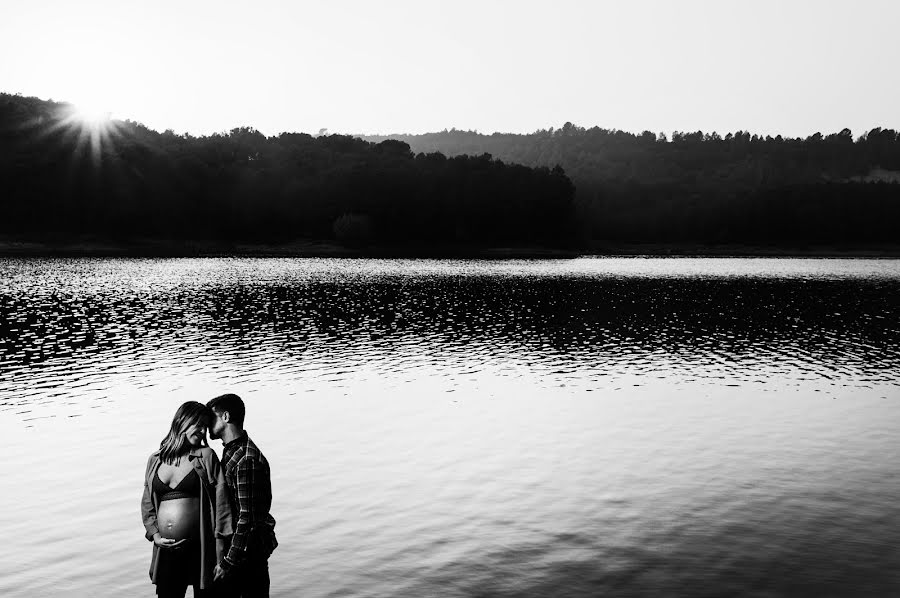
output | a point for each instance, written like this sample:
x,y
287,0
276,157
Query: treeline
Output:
x,y
60,175
705,188
123,180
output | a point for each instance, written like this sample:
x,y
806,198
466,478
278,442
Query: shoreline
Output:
x,y
167,248
744,250
25,247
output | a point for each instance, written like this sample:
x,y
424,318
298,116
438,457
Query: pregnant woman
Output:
x,y
185,507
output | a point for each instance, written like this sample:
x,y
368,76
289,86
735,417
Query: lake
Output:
x,y
597,426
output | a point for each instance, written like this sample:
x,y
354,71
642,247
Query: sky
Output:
x,y
789,67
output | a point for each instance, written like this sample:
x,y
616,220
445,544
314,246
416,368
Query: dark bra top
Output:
x,y
188,487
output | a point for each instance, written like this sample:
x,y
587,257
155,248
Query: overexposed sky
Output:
x,y
790,67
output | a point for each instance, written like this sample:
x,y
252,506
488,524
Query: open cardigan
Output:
x,y
215,511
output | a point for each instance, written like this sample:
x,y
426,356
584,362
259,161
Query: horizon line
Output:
x,y
325,131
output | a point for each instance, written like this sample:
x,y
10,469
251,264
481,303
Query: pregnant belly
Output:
x,y
179,518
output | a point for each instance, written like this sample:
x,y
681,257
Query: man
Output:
x,y
245,567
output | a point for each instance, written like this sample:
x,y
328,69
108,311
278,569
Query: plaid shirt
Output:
x,y
250,486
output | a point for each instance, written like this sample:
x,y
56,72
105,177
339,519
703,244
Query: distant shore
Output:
x,y
742,250
154,247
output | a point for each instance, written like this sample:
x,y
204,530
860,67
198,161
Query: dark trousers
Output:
x,y
250,579
177,569
177,591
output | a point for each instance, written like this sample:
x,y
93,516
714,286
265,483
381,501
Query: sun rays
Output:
x,y
96,129
92,116
88,127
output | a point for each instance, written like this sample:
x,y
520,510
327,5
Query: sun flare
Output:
x,y
92,115
91,125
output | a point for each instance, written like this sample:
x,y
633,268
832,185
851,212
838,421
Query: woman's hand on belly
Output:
x,y
166,542
179,519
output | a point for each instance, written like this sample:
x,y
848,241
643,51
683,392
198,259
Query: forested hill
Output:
x,y
120,179
696,187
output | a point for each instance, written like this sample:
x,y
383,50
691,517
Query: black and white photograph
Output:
x,y
432,299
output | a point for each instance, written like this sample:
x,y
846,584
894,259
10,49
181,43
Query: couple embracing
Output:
x,y
209,520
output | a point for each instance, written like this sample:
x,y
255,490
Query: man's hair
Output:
x,y
232,404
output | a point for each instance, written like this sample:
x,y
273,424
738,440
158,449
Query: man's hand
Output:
x,y
218,573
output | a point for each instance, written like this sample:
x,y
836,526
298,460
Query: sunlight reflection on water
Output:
x,y
636,426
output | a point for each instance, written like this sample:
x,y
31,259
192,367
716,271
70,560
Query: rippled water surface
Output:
x,y
621,427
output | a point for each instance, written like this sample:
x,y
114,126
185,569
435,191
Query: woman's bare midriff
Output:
x,y
179,518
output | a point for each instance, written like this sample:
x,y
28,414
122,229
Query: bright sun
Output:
x,y
92,115
93,125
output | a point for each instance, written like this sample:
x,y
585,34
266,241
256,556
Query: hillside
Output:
x,y
118,179
697,187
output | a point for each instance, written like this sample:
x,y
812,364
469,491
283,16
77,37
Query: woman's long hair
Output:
x,y
175,444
